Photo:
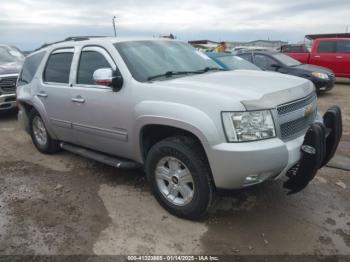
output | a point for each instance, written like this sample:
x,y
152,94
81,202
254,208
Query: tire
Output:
x,y
47,145
189,158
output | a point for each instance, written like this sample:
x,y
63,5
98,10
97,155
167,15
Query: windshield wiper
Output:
x,y
174,73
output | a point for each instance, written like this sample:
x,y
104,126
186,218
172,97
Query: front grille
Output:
x,y
8,84
294,127
296,117
293,106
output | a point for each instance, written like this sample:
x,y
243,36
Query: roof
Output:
x,y
96,40
336,35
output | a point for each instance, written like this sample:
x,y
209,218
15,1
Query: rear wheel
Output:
x,y
179,175
40,136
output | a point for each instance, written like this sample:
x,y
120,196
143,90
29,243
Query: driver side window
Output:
x,y
89,62
264,62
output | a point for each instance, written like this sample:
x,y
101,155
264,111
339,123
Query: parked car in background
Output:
x,y
297,51
332,53
11,61
230,61
163,105
322,78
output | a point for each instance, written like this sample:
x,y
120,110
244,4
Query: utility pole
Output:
x,y
347,29
114,27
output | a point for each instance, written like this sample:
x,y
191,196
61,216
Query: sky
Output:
x,y
30,23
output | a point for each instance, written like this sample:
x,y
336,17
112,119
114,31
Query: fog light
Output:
x,y
251,179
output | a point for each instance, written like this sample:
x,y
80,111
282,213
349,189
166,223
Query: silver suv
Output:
x,y
162,105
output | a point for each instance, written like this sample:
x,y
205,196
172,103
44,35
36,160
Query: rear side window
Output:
x,y
294,49
30,67
326,47
343,47
247,57
265,62
90,61
58,67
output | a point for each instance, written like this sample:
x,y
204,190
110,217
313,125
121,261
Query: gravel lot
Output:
x,y
65,204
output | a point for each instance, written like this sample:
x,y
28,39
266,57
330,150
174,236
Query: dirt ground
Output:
x,y
65,204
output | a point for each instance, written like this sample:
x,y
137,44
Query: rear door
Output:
x,y
343,58
55,92
100,115
324,54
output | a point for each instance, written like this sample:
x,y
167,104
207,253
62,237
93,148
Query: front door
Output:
x,y
100,115
55,93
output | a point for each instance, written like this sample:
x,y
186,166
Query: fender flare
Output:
x,y
174,115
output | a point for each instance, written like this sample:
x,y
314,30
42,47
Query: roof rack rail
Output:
x,y
71,38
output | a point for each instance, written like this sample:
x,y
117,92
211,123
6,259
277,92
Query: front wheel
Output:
x,y
180,178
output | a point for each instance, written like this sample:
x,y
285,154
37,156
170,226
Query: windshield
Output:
x,y
286,60
236,62
146,59
10,55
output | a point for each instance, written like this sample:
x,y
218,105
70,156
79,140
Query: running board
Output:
x,y
100,157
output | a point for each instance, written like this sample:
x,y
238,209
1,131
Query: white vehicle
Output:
x,y
165,106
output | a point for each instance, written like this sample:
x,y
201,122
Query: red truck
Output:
x,y
332,53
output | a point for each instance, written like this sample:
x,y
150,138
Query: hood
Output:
x,y
10,68
313,68
255,89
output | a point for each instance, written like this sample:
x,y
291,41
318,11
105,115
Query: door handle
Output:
x,y
78,100
339,57
42,94
317,56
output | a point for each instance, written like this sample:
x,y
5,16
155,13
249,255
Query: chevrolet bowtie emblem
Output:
x,y
308,110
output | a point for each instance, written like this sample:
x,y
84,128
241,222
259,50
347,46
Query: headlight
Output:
x,y
248,126
320,75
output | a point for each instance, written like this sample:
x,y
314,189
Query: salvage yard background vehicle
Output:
x,y
165,106
332,53
297,51
322,78
11,60
229,61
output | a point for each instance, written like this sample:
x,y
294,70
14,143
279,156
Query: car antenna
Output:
x,y
114,27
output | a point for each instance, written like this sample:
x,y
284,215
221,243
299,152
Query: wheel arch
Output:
x,y
37,105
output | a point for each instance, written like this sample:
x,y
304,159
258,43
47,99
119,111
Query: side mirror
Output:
x,y
276,66
108,77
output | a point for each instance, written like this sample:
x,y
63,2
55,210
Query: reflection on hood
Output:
x,y
10,68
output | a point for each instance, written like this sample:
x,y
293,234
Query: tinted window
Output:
x,y
265,62
326,47
294,49
343,47
90,61
58,68
286,60
247,57
30,67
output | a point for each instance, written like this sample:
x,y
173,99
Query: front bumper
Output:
x,y
238,165
235,164
7,102
323,85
